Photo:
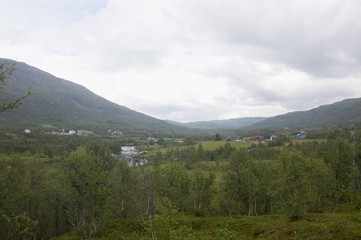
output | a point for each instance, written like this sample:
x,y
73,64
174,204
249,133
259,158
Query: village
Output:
x,y
65,133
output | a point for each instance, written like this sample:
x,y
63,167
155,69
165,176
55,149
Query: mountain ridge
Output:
x,y
61,103
232,123
346,111
65,104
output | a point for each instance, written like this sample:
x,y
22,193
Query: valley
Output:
x,y
75,166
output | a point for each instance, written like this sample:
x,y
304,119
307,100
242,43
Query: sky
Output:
x,y
193,60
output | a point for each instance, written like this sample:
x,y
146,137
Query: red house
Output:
x,y
258,139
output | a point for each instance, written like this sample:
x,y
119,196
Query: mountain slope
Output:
x,y
343,112
68,105
234,123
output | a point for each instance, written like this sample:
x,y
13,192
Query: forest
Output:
x,y
78,186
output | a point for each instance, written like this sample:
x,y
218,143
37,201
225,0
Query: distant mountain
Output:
x,y
68,105
343,112
234,123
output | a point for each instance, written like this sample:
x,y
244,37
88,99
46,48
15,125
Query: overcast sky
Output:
x,y
190,60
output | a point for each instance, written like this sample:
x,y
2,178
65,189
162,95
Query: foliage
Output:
x,y
311,226
86,173
19,227
173,184
6,70
301,185
204,191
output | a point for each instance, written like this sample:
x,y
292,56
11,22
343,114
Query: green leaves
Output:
x,y
19,227
6,70
173,183
202,191
301,184
87,172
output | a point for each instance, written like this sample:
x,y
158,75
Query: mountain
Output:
x,y
64,104
234,123
344,112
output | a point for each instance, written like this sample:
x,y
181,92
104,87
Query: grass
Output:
x,y
211,145
207,146
300,141
311,226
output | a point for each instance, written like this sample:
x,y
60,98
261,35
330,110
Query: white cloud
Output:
x,y
194,60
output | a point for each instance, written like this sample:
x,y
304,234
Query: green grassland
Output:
x,y
207,146
211,145
311,226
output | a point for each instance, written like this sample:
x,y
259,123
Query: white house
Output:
x,y
72,132
27,131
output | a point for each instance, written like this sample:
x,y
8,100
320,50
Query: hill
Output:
x,y
64,104
234,123
344,112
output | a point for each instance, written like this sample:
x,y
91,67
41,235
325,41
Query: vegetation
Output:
x,y
6,70
294,189
311,226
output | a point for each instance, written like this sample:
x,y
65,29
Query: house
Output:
x,y
257,139
112,133
72,132
229,139
300,136
273,137
27,131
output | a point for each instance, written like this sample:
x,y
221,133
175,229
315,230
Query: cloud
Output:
x,y
318,38
194,60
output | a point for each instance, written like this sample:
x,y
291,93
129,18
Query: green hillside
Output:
x,y
343,112
233,123
68,105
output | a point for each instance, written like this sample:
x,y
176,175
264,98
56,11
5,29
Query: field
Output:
x,y
207,146
211,145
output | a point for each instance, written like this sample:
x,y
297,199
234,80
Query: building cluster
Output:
x,y
73,132
112,133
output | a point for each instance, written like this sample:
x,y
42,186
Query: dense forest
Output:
x,y
52,185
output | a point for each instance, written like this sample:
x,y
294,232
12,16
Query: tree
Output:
x,y
339,158
174,183
6,70
240,185
87,173
122,189
19,227
301,184
12,170
202,191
